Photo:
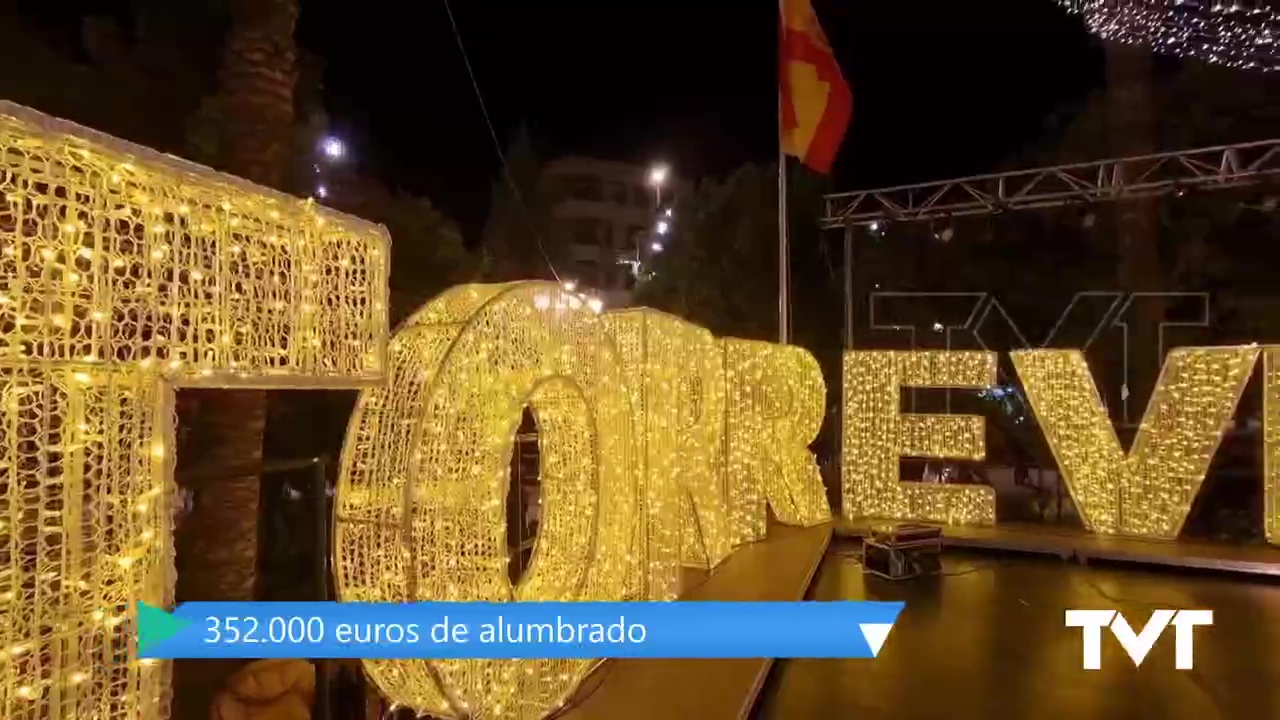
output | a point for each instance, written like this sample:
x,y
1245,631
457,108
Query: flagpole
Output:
x,y
784,256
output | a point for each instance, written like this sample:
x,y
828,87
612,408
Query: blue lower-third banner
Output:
x,y
516,630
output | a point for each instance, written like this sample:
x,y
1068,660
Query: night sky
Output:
x,y
941,88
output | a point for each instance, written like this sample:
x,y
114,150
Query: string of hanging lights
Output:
x,y
1236,33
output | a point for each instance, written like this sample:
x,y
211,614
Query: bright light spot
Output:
x,y
570,285
322,191
595,304
333,148
663,227
937,327
668,213
541,301
657,247
658,174
875,227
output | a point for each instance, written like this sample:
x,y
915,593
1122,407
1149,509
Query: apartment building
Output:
x,y
609,211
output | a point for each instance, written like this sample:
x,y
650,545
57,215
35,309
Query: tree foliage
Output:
x,y
520,237
135,75
1195,237
428,253
1189,105
720,266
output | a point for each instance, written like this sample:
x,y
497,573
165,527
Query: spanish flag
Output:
x,y
816,101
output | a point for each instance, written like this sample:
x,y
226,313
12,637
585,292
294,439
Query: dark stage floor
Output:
x,y
987,642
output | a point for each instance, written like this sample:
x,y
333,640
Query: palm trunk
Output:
x,y
218,541
258,80
257,83
221,535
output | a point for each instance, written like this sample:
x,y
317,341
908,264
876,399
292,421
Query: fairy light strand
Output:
x,y
1224,32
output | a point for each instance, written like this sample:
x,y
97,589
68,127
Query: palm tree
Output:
x,y
257,81
258,77
255,106
256,87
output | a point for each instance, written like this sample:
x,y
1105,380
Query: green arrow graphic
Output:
x,y
156,625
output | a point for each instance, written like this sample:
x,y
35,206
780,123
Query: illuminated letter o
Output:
x,y
420,507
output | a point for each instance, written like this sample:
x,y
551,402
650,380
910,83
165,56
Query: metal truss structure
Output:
x,y
1143,176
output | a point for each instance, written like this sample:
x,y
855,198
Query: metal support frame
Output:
x,y
1142,176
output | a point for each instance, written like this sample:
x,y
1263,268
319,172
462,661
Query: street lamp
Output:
x,y
663,227
657,178
333,148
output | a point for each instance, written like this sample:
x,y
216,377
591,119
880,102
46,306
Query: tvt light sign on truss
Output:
x,y
1236,33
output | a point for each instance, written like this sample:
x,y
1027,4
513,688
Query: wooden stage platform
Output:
x,y
1077,544
780,568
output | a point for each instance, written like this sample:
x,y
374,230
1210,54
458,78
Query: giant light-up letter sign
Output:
x,y
123,274
1147,492
706,532
1271,444
675,372
421,511
774,398
650,346
877,434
